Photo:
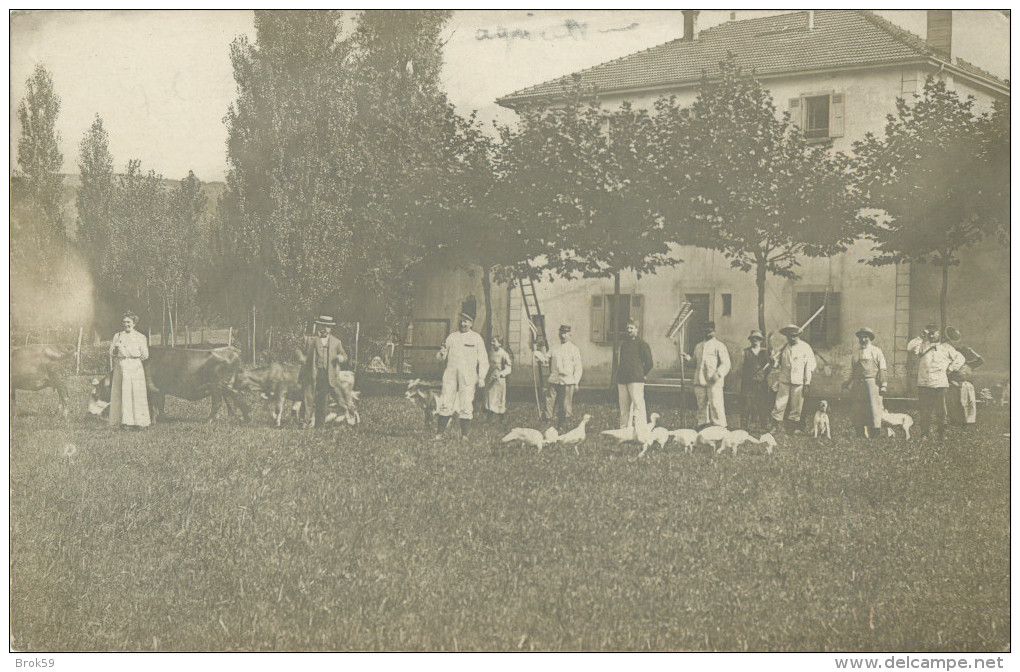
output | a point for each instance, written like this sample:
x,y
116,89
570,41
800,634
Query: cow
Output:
x,y
192,375
34,368
277,382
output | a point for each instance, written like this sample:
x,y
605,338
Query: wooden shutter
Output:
x,y
797,112
803,307
837,105
637,312
832,321
598,319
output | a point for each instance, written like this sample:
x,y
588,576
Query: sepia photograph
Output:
x,y
505,331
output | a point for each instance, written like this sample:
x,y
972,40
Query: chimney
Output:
x,y
689,16
811,19
940,31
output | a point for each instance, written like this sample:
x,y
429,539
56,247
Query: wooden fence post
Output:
x,y
77,353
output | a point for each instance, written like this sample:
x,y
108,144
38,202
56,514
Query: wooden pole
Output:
x,y
230,336
162,333
269,348
357,332
77,353
253,333
187,336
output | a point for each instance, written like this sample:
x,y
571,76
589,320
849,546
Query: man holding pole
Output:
x,y
711,364
795,363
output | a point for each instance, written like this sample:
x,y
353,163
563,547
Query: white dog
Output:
x,y
822,420
890,420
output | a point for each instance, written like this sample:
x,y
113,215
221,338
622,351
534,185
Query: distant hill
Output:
x,y
212,191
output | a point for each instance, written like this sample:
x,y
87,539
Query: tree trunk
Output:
x,y
487,294
614,325
759,281
944,294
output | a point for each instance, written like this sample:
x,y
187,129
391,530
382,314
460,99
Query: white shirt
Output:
x,y
935,361
796,364
465,354
711,362
565,364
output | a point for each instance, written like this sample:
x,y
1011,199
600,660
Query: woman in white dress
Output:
x,y
129,403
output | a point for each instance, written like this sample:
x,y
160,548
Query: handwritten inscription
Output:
x,y
568,30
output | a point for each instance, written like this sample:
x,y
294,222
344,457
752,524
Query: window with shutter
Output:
x,y
598,320
836,107
637,312
824,331
816,117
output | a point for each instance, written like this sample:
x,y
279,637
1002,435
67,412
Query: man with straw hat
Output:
x,y
867,383
322,355
935,360
467,364
795,363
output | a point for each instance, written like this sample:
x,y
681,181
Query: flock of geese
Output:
x,y
645,434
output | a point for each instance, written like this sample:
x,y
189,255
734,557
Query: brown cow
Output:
x,y
34,368
187,374
277,382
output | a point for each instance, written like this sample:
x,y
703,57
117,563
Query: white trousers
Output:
x,y
788,396
632,403
711,406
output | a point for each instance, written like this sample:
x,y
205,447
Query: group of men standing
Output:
x,y
786,373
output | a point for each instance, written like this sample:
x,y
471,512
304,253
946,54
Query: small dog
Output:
x,y
424,397
822,420
890,420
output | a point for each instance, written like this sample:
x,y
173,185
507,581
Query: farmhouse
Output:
x,y
839,74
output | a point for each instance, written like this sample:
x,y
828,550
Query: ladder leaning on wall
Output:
x,y
536,323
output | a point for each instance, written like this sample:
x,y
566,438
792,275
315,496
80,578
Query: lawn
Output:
x,y
234,536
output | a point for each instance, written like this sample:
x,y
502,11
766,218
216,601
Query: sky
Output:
x,y
162,80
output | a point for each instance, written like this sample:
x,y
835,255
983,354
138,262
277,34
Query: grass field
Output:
x,y
238,537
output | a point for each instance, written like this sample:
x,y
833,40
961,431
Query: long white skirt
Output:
x,y
129,404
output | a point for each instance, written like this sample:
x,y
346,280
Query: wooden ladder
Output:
x,y
536,322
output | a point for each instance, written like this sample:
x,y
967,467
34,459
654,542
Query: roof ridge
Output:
x,y
901,34
843,38
712,29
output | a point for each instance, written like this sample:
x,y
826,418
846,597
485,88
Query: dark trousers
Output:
x,y
322,392
931,400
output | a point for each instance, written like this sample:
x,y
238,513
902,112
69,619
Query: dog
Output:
x,y
424,397
822,420
344,404
890,420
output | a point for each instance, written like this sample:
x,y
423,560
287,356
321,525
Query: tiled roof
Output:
x,y
766,46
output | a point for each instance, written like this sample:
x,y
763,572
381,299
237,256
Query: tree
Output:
x,y
758,193
576,185
404,140
95,195
926,175
286,211
39,151
993,185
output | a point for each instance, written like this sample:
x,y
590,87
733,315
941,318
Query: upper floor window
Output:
x,y
820,116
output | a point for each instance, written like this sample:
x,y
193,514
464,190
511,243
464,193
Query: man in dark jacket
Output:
x,y
322,356
635,364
